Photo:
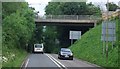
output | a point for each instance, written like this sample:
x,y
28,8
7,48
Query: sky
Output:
x,y
40,5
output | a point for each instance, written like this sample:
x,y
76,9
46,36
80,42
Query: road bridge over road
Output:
x,y
72,20
68,22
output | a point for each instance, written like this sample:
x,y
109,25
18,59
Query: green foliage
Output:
x,y
89,48
0,45
71,8
11,25
13,61
76,8
112,6
93,10
50,32
11,7
38,34
18,28
54,8
50,36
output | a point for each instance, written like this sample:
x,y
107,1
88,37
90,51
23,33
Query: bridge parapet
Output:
x,y
69,17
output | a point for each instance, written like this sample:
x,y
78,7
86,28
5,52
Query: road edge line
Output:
x,y
26,63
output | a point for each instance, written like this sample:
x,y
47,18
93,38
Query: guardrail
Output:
x,y
69,17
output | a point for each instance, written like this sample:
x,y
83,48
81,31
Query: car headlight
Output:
x,y
61,53
71,54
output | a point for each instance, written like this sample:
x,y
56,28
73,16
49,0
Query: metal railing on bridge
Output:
x,y
68,17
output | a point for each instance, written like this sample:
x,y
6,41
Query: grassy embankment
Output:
x,y
89,48
0,46
13,57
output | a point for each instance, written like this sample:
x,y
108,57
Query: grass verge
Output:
x,y
90,48
13,58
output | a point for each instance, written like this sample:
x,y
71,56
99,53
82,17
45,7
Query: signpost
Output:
x,y
108,32
74,35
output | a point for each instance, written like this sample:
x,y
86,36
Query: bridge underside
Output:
x,y
65,24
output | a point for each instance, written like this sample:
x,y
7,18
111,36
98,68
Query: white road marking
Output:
x,y
26,63
56,61
53,60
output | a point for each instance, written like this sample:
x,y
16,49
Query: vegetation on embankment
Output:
x,y
13,57
17,30
90,48
0,46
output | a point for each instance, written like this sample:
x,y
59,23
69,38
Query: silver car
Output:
x,y
65,53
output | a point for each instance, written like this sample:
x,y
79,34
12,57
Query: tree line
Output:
x,y
17,25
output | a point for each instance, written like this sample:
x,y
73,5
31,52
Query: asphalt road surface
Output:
x,y
51,61
40,60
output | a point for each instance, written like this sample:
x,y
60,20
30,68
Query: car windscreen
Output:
x,y
65,50
38,46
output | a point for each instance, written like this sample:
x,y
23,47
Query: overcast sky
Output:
x,y
39,5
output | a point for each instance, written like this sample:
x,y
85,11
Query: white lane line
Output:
x,y
53,60
58,61
26,63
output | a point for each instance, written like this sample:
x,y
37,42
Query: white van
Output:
x,y
39,48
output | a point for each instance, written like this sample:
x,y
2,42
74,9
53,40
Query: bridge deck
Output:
x,y
64,21
67,20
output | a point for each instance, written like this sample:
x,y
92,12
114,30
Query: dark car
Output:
x,y
65,53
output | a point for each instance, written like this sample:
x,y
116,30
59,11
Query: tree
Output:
x,y
38,34
54,8
18,24
71,8
12,7
93,10
74,8
50,35
112,6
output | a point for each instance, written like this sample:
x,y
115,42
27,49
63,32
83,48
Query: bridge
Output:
x,y
71,20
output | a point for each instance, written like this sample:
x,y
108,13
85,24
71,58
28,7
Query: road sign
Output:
x,y
119,3
111,31
75,35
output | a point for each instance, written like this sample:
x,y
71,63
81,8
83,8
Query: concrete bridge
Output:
x,y
71,20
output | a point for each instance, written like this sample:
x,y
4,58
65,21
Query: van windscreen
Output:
x,y
38,46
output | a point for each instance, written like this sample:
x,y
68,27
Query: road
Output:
x,y
51,61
